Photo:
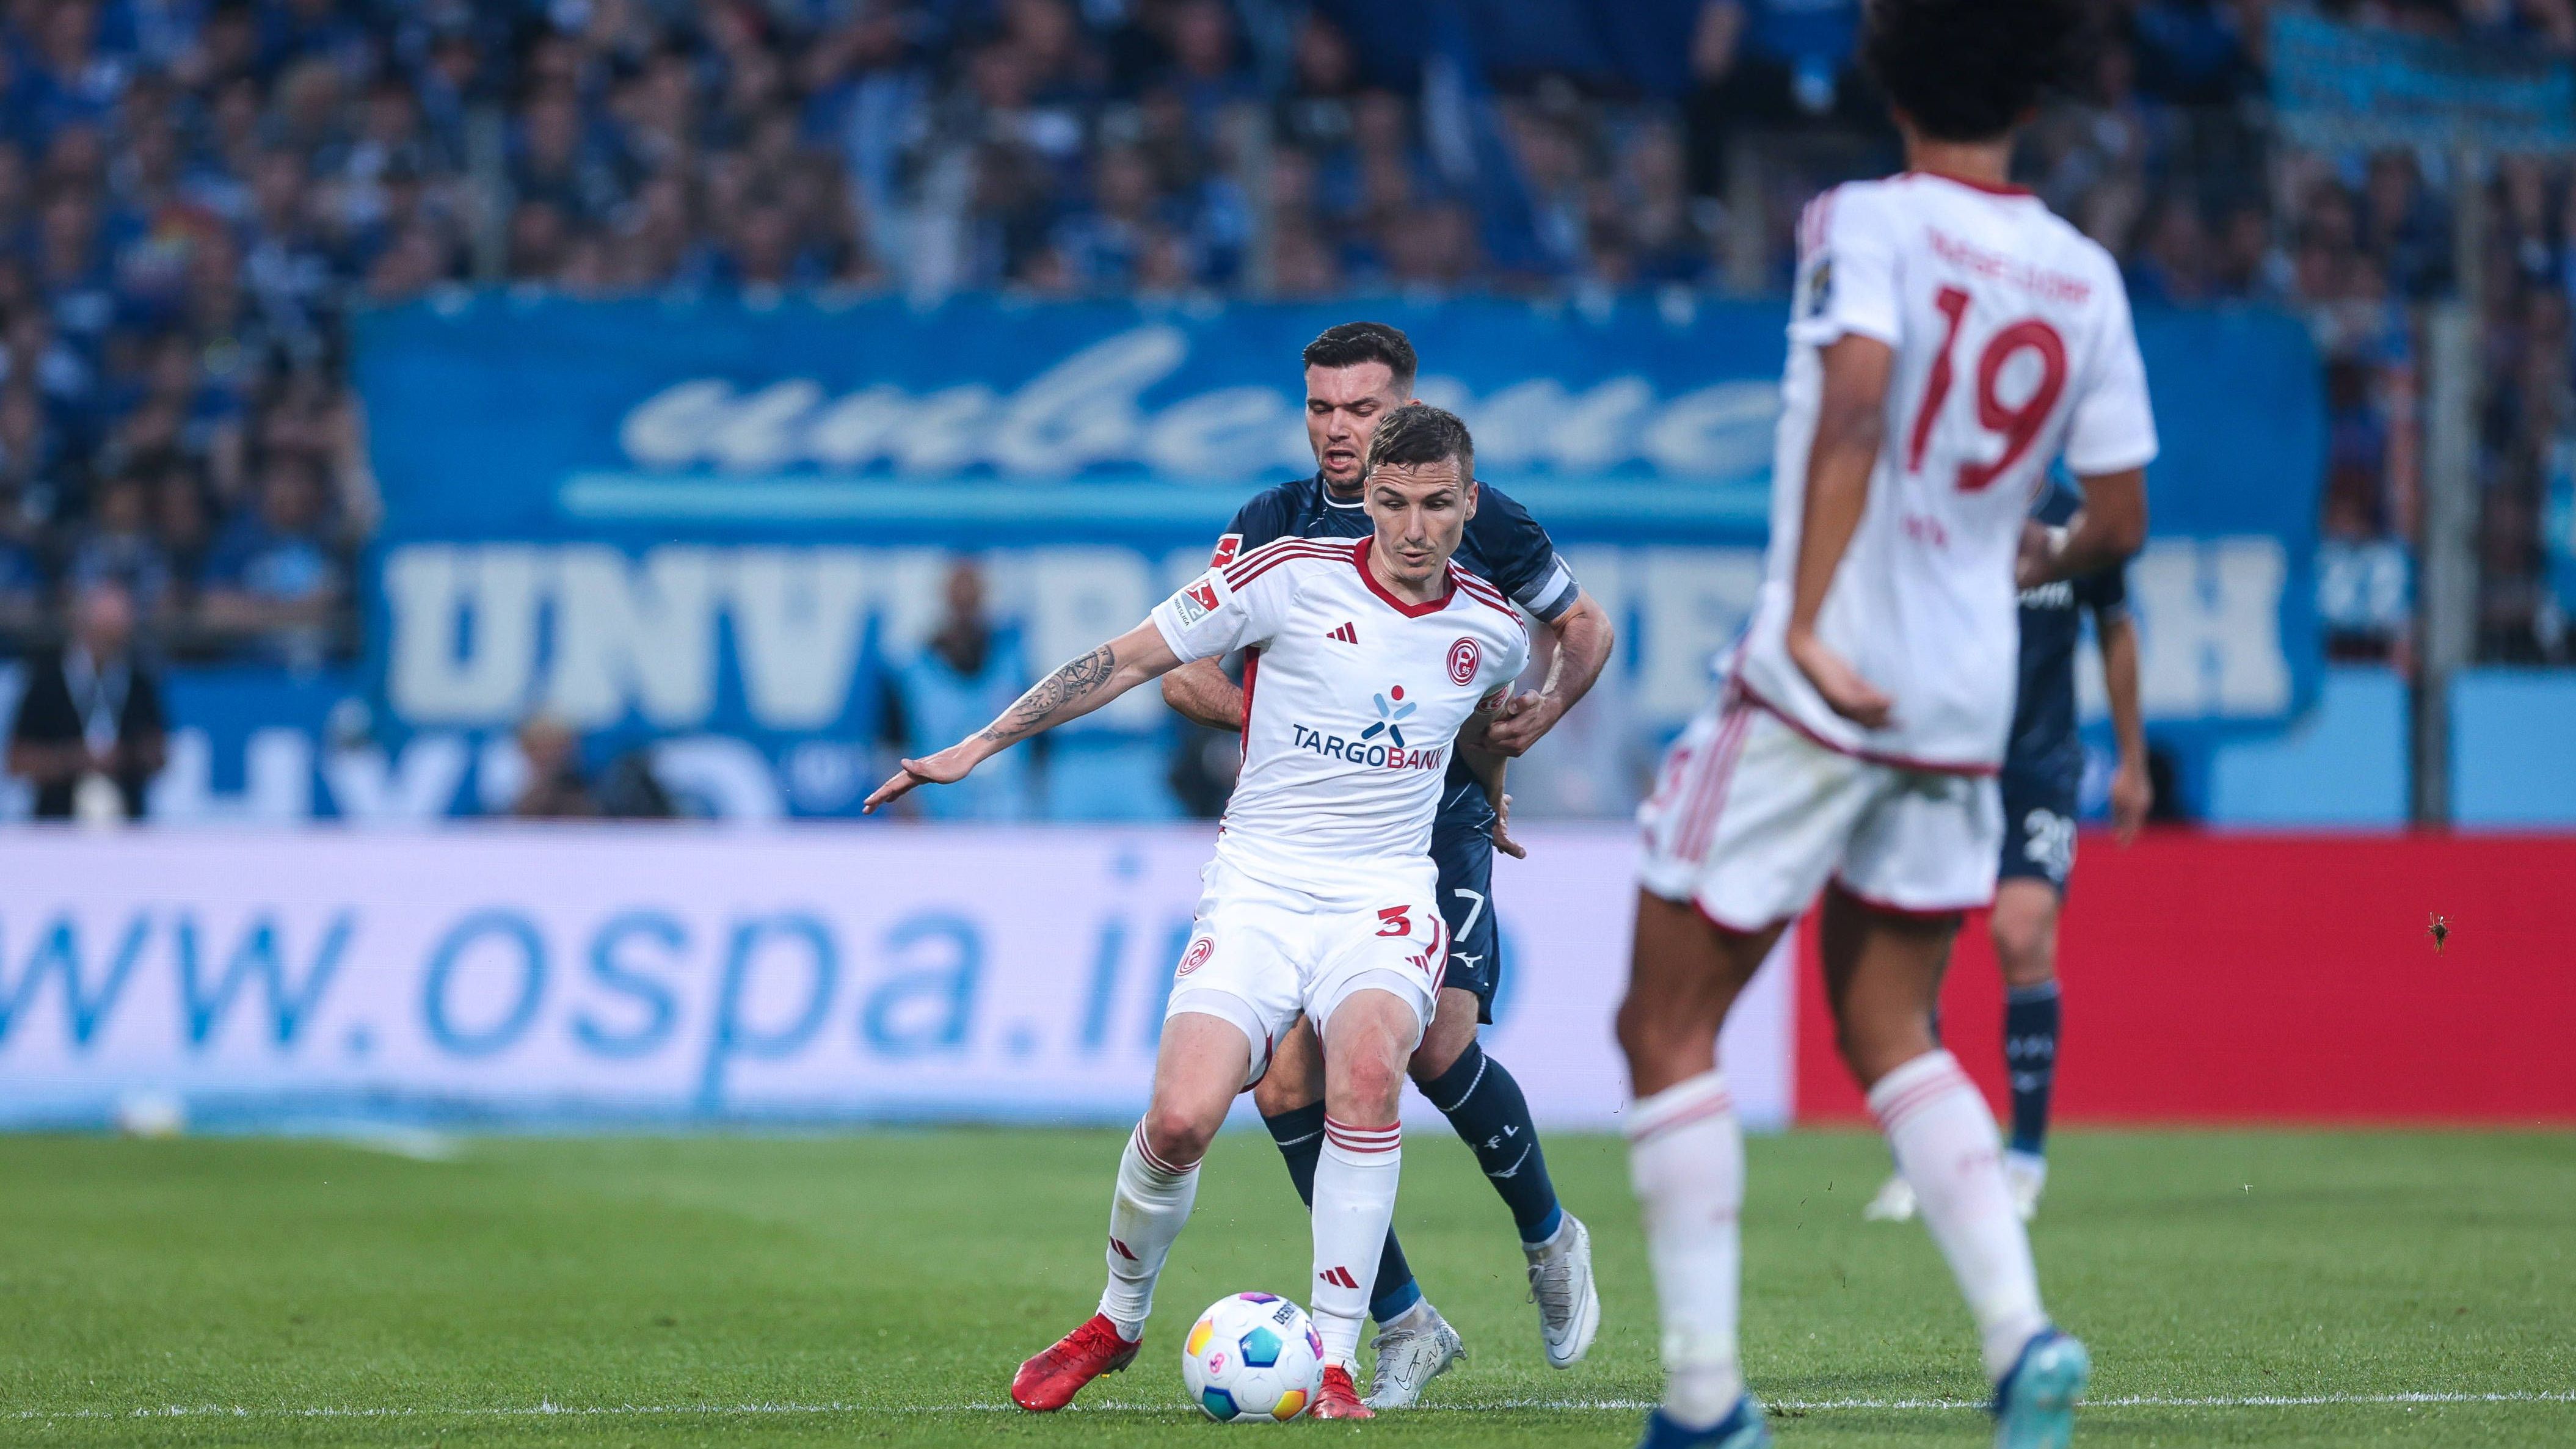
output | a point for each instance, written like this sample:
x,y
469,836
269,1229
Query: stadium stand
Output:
x,y
196,198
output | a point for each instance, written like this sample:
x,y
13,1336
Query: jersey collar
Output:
x,y
1988,187
1324,489
1448,578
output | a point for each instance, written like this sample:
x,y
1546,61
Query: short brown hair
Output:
x,y
1420,433
1353,343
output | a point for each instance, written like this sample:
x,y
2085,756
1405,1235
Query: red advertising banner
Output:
x,y
2242,978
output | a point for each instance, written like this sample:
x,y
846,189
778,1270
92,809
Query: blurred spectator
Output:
x,y
1767,64
2190,53
556,788
275,577
121,547
91,722
2404,233
22,592
962,678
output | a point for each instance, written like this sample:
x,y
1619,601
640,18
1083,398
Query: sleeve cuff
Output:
x,y
1553,594
2117,459
1173,638
1823,331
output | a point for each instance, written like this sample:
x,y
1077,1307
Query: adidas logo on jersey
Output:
x,y
1347,634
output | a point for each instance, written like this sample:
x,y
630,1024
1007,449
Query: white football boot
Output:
x,y
1569,1307
1894,1203
2026,1173
1413,1350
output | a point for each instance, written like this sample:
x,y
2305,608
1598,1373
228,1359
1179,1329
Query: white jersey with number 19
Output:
x,y
2013,348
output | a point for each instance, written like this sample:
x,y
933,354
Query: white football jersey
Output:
x,y
2013,348
1352,701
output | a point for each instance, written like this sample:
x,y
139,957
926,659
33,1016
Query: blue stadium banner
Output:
x,y
2339,85
724,526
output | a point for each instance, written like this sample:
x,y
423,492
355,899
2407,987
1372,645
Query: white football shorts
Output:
x,y
1260,954
1750,817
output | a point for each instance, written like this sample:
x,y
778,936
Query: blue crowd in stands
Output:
x,y
195,194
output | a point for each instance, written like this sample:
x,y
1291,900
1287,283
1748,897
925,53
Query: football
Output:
x,y
1252,1358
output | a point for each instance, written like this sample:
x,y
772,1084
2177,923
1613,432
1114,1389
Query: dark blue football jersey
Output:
x,y
2044,745
1503,545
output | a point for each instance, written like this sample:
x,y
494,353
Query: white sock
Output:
x,y
1354,1204
1145,1215
1945,1143
1686,1159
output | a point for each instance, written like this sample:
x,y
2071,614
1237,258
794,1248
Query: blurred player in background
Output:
x,y
1374,659
2043,769
1950,340
1356,374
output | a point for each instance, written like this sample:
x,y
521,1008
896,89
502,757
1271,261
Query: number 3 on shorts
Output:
x,y
1391,921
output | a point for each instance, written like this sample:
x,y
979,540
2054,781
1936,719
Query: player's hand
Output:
x,y
2030,560
945,768
2132,796
1844,691
1521,722
1502,831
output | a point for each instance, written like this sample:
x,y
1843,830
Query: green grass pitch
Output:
x,y
880,1288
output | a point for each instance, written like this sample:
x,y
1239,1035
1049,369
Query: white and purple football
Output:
x,y
1252,1358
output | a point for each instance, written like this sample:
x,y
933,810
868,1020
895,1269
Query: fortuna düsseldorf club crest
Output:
x,y
1464,656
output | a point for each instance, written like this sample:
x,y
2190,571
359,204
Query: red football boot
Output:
x,y
1049,1381
1337,1399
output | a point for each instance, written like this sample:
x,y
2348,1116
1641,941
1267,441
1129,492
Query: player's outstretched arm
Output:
x,y
1202,694
1849,425
1072,691
1583,637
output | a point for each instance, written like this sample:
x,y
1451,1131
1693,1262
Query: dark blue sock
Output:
x,y
1486,1106
2030,1060
1300,1135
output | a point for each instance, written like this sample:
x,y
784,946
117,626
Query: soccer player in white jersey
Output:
x,y
1949,339
1371,659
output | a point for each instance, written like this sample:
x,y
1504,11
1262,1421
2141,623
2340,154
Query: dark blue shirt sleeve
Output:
x,y
1264,519
1520,557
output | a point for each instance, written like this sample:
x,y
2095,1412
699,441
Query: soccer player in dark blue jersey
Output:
x,y
2043,765
1355,374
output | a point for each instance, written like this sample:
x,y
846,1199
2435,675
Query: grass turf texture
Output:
x,y
880,1289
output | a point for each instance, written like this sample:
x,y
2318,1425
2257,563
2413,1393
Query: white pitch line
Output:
x,y
544,1409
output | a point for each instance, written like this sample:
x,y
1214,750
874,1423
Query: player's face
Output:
x,y
1343,405
1421,511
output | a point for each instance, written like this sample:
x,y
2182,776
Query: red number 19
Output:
x,y
2019,425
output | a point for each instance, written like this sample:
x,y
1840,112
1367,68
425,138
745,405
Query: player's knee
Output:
x,y
1663,1043
1873,1047
1176,1134
1367,1089
2025,946
1280,1092
1451,1033
1433,1059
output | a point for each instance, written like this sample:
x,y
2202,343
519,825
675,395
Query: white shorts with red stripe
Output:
x,y
1262,954
1750,817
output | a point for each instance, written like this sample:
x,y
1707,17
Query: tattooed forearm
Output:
x,y
1047,701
